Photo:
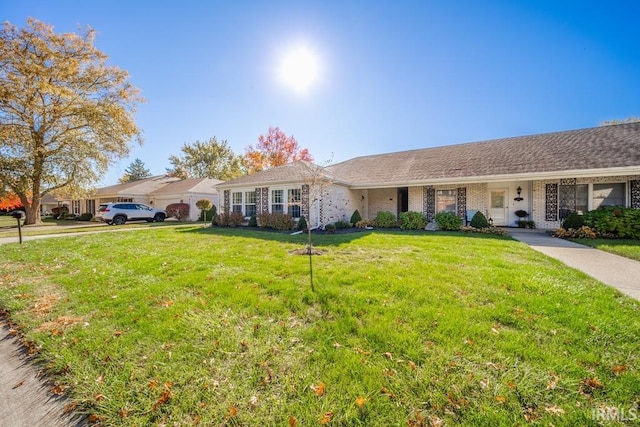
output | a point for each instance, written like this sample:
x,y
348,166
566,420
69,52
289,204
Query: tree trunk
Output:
x,y
31,209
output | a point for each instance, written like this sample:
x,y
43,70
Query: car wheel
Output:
x,y
158,218
119,220
149,219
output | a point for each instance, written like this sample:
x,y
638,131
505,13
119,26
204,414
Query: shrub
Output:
x,y
355,217
302,224
253,222
330,228
340,225
385,219
485,230
210,213
364,223
573,220
583,232
278,221
204,205
178,211
412,221
69,216
448,221
233,219
613,220
87,216
479,220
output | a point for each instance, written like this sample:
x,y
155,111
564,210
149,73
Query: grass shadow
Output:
x,y
324,239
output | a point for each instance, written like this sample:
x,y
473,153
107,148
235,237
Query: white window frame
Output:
x,y
236,204
280,202
294,202
248,203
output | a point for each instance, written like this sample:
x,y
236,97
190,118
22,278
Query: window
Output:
x,y
75,206
249,203
582,198
446,200
277,201
236,202
608,195
294,200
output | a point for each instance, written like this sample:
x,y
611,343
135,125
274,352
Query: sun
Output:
x,y
299,69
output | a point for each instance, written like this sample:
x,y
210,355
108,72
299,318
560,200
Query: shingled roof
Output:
x,y
539,155
568,153
295,172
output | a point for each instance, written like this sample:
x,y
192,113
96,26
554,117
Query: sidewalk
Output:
x,y
25,397
613,270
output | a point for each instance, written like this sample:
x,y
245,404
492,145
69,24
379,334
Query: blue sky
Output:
x,y
394,75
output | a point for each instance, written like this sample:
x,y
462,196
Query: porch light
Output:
x,y
519,191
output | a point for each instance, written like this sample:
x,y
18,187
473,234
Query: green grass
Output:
x,y
624,247
205,326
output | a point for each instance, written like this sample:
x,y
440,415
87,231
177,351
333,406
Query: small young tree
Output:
x,y
316,181
204,205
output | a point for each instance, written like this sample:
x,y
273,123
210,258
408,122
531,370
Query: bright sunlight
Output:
x,y
299,69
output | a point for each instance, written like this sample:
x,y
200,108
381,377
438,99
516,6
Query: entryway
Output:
x,y
498,207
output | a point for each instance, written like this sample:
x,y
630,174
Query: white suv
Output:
x,y
121,212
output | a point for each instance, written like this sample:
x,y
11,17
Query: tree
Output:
x,y
135,171
316,181
65,114
210,159
9,202
620,122
274,149
204,205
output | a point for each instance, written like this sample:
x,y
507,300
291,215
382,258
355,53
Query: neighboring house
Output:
x,y
158,191
547,175
186,191
50,202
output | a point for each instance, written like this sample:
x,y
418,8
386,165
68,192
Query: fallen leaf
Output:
x,y
360,401
196,420
58,390
326,417
233,411
412,365
554,410
123,413
100,378
501,399
388,355
337,345
164,398
619,369
553,383
18,384
153,384
93,418
361,351
319,389
292,421
253,402
99,397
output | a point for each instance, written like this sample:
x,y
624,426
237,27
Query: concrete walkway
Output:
x,y
26,399
616,271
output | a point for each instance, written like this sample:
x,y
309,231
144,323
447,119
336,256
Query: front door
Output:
x,y
498,207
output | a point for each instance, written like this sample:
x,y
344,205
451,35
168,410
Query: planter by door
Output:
x,y
498,207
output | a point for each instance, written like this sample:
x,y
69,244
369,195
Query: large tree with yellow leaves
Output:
x,y
65,114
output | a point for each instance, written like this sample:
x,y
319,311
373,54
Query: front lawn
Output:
x,y
206,326
624,247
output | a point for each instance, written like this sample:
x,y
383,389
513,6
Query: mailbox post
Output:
x,y
18,216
